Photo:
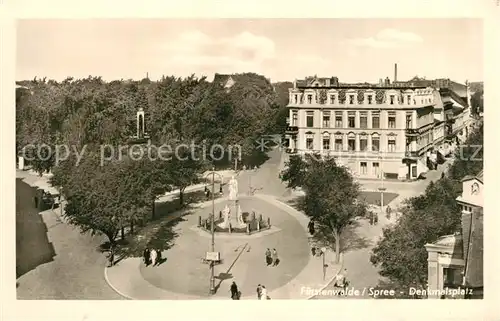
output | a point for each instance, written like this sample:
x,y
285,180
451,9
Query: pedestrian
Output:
x,y
269,260
340,280
244,167
310,226
375,218
263,295
147,256
313,250
220,189
259,292
111,256
234,291
442,175
276,260
158,260
153,256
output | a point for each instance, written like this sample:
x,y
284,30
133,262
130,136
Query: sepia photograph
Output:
x,y
249,159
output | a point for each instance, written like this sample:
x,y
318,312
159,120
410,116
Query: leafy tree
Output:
x,y
332,206
401,253
468,159
295,172
477,102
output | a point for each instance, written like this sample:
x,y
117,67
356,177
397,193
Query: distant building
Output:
x,y
228,81
455,262
389,129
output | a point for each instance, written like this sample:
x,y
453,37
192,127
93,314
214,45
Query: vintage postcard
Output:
x,y
336,161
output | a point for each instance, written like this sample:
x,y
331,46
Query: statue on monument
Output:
x,y
233,189
226,213
239,217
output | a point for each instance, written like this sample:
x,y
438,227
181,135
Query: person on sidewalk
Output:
x,y
310,226
153,256
234,291
313,250
147,256
158,259
111,256
259,292
269,259
276,260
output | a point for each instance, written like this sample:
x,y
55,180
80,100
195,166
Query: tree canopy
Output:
x,y
331,196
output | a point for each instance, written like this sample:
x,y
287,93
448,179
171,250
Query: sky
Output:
x,y
354,50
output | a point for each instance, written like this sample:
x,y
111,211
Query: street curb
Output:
x,y
331,279
113,287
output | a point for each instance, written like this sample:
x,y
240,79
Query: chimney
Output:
x,y
380,82
395,72
387,81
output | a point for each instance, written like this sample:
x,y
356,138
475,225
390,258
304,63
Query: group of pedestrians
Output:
x,y
152,257
272,258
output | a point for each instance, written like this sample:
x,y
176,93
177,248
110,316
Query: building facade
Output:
x,y
375,130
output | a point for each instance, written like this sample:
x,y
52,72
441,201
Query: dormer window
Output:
x,y
409,100
392,99
332,99
370,99
351,99
309,99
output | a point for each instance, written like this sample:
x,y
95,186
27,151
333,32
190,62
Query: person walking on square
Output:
x,y
234,291
259,292
153,257
263,295
146,255
269,259
275,258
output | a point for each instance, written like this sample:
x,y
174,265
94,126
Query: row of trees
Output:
x,y
332,207
92,111
104,197
401,255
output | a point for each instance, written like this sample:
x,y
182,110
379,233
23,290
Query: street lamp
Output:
x,y
212,230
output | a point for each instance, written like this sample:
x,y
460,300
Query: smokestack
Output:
x,y
395,72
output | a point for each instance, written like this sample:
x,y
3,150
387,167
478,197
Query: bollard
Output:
x,y
230,229
220,215
268,222
199,221
248,228
260,217
258,225
253,216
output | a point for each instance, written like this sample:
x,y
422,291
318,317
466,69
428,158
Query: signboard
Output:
x,y
212,256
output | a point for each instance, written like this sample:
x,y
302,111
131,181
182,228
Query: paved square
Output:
x,y
243,257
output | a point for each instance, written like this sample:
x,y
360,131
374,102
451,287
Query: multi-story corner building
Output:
x,y
372,129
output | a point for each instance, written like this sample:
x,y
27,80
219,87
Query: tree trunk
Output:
x,y
153,210
337,246
132,227
181,196
123,233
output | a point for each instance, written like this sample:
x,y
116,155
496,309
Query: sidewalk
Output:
x,y
126,279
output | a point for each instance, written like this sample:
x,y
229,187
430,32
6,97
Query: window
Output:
x,y
351,99
326,143
409,99
363,119
332,99
351,119
363,143
392,99
375,120
310,119
309,143
294,118
338,119
370,99
409,121
309,99
375,168
296,98
375,144
326,119
338,143
351,144
363,168
391,144
452,277
392,119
